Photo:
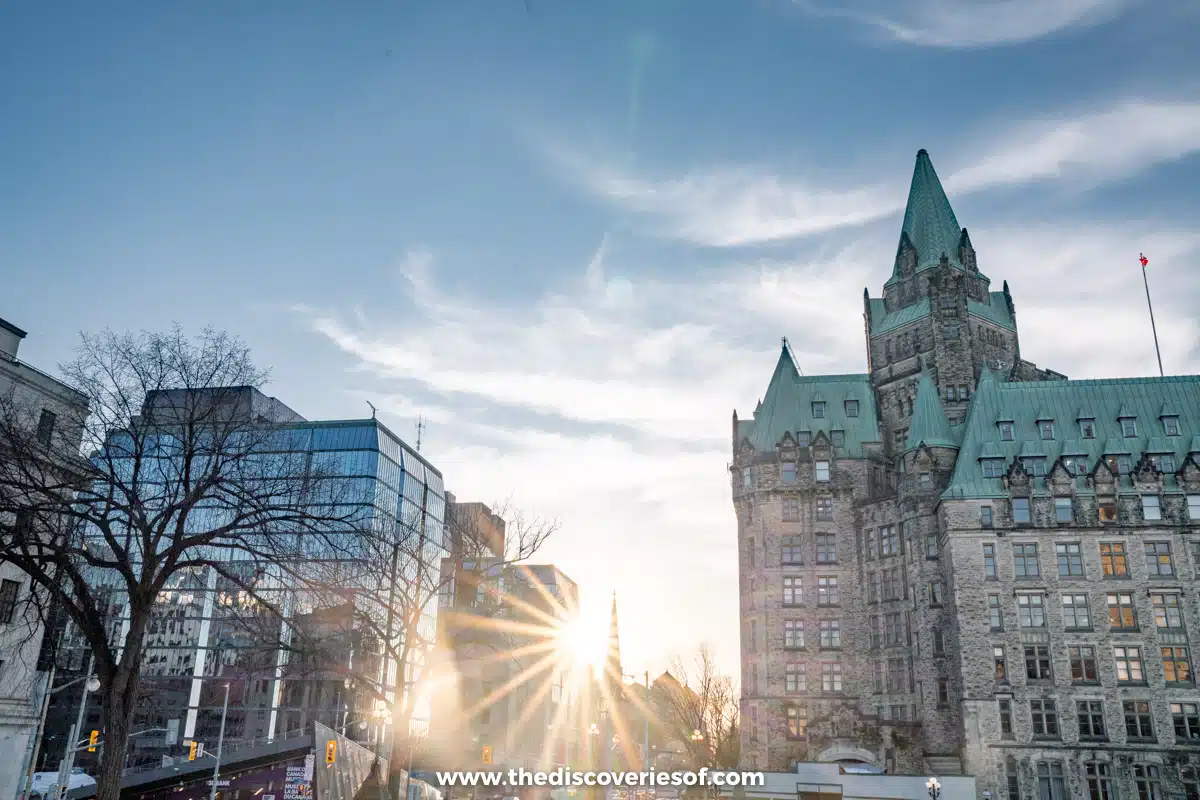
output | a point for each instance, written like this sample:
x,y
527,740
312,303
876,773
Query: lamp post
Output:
x,y
91,684
935,788
212,792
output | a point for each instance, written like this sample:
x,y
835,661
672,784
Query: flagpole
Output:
x,y
1153,328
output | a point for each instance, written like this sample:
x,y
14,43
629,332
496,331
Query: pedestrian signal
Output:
x,y
92,739
330,751
487,755
192,750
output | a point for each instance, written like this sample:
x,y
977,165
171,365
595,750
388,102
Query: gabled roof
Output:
x,y
929,424
787,408
929,221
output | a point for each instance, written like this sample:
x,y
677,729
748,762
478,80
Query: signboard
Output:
x,y
297,784
310,761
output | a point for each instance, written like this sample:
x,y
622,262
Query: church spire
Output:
x,y
612,661
930,226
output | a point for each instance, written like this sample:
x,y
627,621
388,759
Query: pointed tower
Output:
x,y
613,670
929,424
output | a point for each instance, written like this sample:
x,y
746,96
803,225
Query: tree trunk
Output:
x,y
118,714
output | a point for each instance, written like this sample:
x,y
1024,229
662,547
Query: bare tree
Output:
x,y
187,473
698,712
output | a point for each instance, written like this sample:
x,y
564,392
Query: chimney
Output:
x,y
10,339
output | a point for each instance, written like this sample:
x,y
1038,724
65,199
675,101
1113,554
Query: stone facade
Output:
x,y
971,450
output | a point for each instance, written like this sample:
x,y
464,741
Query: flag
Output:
x,y
1144,260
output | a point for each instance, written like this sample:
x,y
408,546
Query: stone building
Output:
x,y
960,562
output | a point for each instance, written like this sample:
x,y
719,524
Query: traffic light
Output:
x,y
487,755
330,751
92,739
192,750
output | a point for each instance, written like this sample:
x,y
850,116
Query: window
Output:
x,y
1020,511
1190,776
889,542
893,631
795,680
1099,780
792,550
797,722
827,591
935,593
1063,511
1107,510
1170,426
1025,561
872,543
827,549
1122,614
831,634
1087,428
1167,613
1158,559
1090,714
992,467
45,428
821,471
995,618
1113,561
1035,466
948,393
951,333
1186,717
1139,724
1148,780
1083,663
1076,616
964,392
1031,610
9,590
793,634
999,663
803,438
989,562
1045,718
1075,465
791,509
747,478
851,408
1046,429
1129,664
1193,503
793,591
873,587
1006,726
985,516
818,410
1119,464
939,642
787,471
1177,667
1051,783
943,692
1070,560
931,545
825,508
831,676
837,438
1006,431
1037,662
1128,427
1151,507
1166,463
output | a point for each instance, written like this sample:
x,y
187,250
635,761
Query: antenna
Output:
x,y
420,430
373,409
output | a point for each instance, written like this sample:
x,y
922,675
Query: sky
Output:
x,y
570,234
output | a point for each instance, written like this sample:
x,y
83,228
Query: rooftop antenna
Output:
x,y
420,430
787,346
373,409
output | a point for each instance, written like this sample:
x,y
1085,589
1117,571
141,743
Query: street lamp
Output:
x,y
697,736
593,729
935,788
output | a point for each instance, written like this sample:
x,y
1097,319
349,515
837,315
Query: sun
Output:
x,y
581,644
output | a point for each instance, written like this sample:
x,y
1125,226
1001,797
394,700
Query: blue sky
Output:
x,y
572,236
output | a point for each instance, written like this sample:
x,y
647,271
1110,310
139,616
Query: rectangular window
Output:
x,y
1070,560
837,438
1031,610
985,516
1020,511
1099,780
1190,777
793,634
793,590
935,593
1166,463
1171,426
1090,714
893,629
1045,718
872,543
1037,662
792,551
1148,780
1151,507
992,467
1177,667
797,722
1035,466
1006,726
818,410
999,663
1087,428
1122,613
1129,664
939,642
821,471
878,677
831,634
1046,429
1167,613
989,562
1075,610
926,480
795,680
1006,431
9,591
825,508
931,545
827,549
1186,717
827,591
1158,559
791,509
1025,561
747,478
943,692
1107,511
45,428
1083,663
1113,560
1063,511
831,676
1075,465
1193,504
889,542
1119,464
995,617
851,408
873,587
1129,427
1139,723
964,392
803,438
787,472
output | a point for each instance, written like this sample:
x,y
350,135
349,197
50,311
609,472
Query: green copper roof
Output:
x,y
929,221
1103,400
787,408
883,321
929,424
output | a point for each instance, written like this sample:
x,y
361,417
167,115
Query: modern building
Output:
x,y
960,562
52,413
194,647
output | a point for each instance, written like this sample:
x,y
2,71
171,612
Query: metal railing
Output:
x,y
228,749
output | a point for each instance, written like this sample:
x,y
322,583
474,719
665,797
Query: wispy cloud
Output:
x,y
724,205
968,23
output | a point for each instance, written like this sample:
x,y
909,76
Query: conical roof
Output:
x,y
929,423
929,221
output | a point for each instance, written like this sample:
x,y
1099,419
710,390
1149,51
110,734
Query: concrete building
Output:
x,y
54,413
960,562
817,781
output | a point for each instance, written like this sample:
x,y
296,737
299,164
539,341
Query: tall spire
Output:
x,y
929,221
612,661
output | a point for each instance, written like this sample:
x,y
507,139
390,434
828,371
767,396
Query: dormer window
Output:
x,y
1166,463
1120,464
1087,428
1046,428
1129,427
1171,426
1006,431
803,438
851,408
993,467
818,409
1035,466
1075,465
837,438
